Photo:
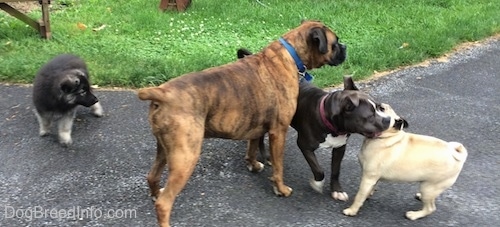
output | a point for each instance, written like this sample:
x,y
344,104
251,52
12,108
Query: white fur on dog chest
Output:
x,y
334,142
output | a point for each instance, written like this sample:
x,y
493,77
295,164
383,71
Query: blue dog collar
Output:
x,y
304,76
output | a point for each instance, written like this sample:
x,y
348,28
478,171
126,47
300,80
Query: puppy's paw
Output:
x,y
285,193
257,167
350,211
317,185
65,139
43,132
342,196
418,196
96,109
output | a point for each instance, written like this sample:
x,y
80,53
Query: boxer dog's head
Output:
x,y
324,47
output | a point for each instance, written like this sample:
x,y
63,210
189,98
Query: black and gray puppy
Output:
x,y
60,86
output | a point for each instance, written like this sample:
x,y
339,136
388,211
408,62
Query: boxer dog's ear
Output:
x,y
318,36
349,84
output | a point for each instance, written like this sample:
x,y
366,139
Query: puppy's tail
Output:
x,y
461,153
151,93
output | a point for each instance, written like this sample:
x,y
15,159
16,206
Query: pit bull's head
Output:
x,y
355,111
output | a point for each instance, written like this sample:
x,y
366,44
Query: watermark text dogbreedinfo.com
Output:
x,y
72,213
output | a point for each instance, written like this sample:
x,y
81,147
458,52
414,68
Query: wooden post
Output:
x,y
42,26
179,5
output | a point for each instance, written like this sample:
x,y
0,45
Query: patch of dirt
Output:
x,y
25,7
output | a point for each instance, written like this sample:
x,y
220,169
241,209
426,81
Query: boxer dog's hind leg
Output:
x,y
335,187
183,154
154,175
277,143
251,156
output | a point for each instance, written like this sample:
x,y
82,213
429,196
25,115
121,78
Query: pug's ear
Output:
x,y
401,123
318,37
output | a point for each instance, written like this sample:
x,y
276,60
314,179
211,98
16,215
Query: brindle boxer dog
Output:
x,y
241,100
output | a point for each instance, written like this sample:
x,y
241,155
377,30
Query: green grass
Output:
x,y
141,46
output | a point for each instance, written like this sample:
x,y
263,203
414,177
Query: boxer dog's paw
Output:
x,y
350,211
258,167
156,197
288,191
342,196
317,185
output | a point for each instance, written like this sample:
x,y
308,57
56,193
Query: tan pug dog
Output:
x,y
399,156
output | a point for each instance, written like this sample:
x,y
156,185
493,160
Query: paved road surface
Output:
x,y
102,176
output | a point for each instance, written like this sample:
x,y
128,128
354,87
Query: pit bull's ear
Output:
x,y
350,103
69,83
400,124
349,84
242,52
318,36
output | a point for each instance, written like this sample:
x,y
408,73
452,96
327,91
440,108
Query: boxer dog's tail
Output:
x,y
461,153
151,93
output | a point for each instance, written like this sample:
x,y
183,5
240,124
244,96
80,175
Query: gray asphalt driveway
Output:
x,y
100,179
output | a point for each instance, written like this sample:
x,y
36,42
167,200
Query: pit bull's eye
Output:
x,y
82,93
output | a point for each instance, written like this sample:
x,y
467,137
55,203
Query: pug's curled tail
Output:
x,y
461,153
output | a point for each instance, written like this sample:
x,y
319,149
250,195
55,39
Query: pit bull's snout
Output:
x,y
386,121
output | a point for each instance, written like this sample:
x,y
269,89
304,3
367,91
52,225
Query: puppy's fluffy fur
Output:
x,y
399,156
59,87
